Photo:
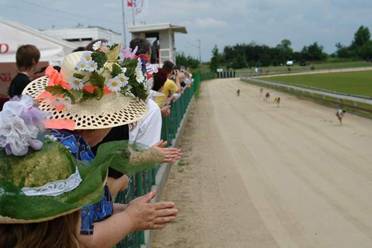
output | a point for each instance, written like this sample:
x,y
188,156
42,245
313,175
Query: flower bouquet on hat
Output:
x,y
92,88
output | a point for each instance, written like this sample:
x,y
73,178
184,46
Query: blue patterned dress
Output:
x,y
81,151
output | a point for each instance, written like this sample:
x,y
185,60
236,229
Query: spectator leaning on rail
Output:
x,y
95,97
116,180
159,80
47,187
171,86
27,58
148,130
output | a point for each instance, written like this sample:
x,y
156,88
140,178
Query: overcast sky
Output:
x,y
221,22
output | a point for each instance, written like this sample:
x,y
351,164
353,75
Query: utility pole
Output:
x,y
124,24
199,50
134,7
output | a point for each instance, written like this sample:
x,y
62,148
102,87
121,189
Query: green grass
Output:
x,y
354,83
297,68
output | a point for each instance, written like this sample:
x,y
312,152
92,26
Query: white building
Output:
x,y
82,36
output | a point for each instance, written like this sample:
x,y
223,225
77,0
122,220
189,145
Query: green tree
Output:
x,y
366,51
343,51
361,37
284,51
239,61
187,61
285,44
216,60
314,52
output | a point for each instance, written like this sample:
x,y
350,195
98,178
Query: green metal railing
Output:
x,y
142,182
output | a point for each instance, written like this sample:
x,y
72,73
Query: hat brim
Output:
x,y
111,110
22,209
17,208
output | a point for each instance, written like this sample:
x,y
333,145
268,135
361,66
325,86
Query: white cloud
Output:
x,y
209,23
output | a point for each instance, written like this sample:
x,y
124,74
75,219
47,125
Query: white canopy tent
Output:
x,y
15,34
12,35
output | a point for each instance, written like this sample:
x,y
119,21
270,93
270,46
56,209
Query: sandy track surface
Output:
x,y
255,175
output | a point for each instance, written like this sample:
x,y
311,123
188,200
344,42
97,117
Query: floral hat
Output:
x,y
98,89
39,178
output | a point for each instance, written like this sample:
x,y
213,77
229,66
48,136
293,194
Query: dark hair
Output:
x,y
168,66
79,49
142,44
58,233
27,56
57,67
89,47
159,79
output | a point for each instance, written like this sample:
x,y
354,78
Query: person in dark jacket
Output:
x,y
27,58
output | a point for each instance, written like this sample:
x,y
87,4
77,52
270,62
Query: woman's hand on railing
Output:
x,y
144,215
171,154
165,111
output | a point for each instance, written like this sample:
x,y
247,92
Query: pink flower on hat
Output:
x,y
55,78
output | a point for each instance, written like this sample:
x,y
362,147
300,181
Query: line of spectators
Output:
x,y
102,223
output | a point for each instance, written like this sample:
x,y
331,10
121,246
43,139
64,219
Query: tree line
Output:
x,y
254,55
187,61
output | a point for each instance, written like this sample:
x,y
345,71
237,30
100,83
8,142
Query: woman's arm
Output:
x,y
139,215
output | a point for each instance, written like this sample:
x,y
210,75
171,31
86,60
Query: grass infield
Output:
x,y
247,72
353,83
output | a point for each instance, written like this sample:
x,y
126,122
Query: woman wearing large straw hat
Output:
x,y
43,187
94,93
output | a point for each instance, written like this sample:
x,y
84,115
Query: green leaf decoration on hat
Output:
x,y
128,159
100,58
54,162
33,170
136,88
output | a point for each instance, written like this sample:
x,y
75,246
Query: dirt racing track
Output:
x,y
255,175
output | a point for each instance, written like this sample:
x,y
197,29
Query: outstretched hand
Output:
x,y
145,215
171,154
165,111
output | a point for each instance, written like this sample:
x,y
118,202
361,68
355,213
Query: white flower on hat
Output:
x,y
86,63
97,45
115,84
86,66
139,74
102,46
124,79
87,56
77,83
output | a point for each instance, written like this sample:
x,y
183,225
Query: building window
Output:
x,y
79,39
